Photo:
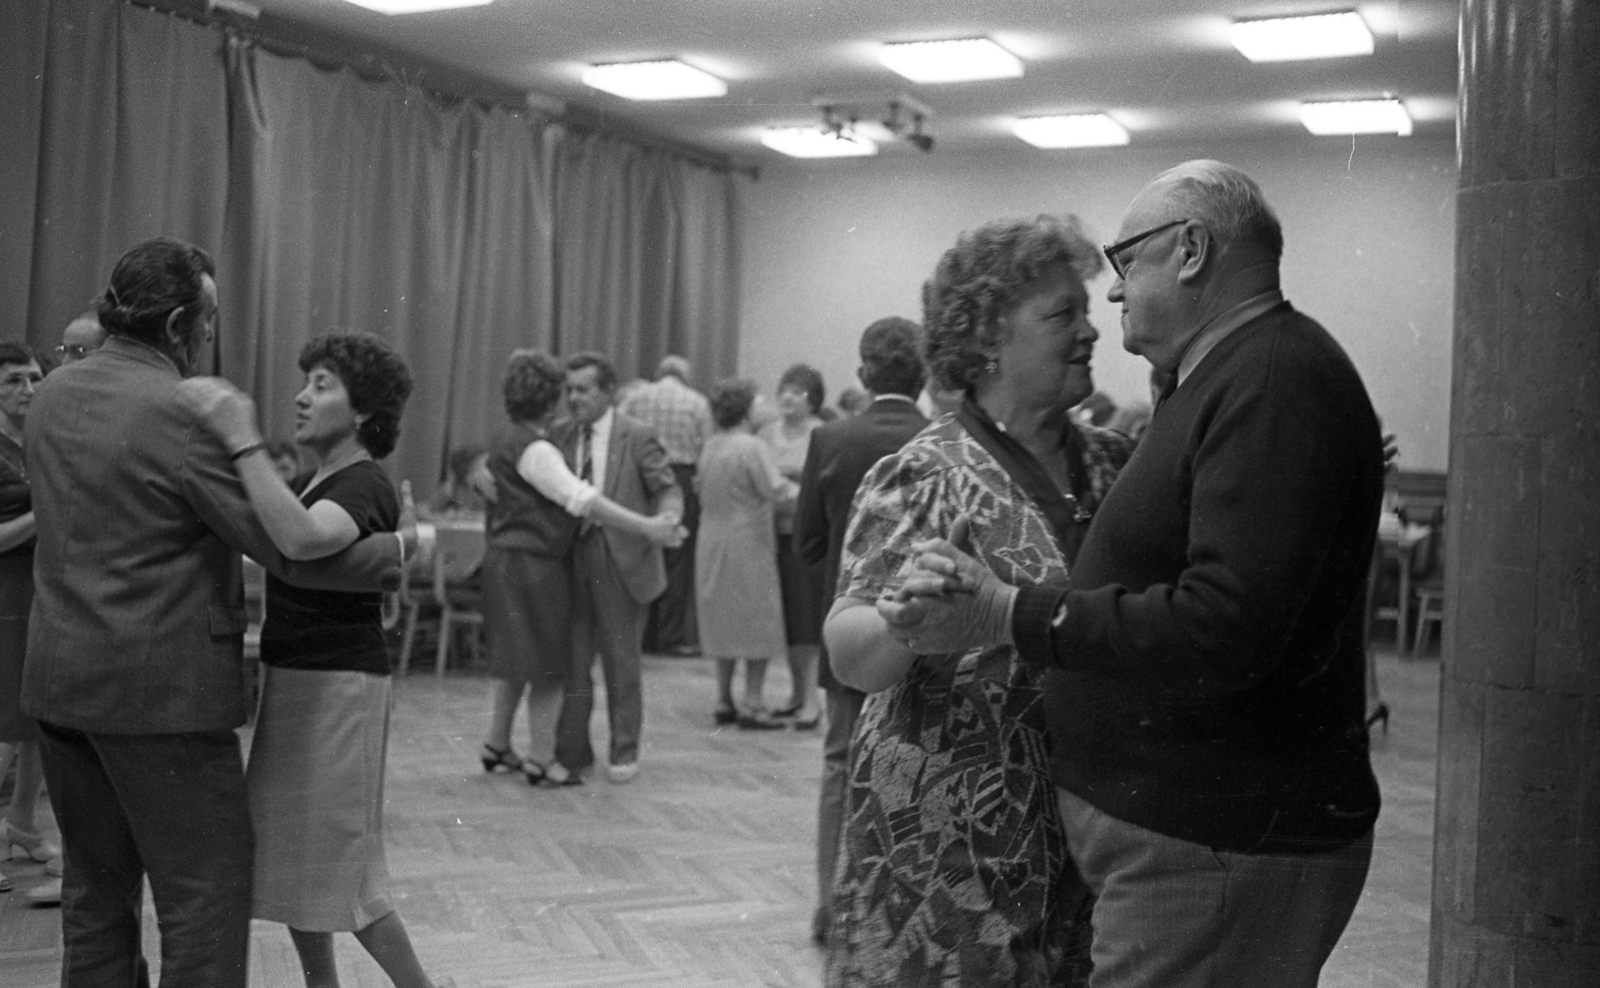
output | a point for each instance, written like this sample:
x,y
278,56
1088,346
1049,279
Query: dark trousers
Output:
x,y
605,619
672,617
167,806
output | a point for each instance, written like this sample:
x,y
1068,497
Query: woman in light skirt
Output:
x,y
315,777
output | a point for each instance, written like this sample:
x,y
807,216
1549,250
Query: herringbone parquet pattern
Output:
x,y
699,873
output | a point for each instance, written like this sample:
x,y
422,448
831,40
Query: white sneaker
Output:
x,y
620,774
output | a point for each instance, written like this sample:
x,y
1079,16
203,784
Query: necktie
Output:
x,y
586,472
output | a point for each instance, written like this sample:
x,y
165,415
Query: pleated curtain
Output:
x,y
332,203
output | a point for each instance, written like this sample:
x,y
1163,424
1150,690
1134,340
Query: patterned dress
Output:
x,y
954,868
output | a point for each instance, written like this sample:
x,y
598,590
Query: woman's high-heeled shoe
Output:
x,y
499,758
31,845
1379,715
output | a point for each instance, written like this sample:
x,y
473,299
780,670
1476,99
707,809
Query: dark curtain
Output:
x,y
132,142
332,203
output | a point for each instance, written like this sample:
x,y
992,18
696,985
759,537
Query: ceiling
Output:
x,y
1163,68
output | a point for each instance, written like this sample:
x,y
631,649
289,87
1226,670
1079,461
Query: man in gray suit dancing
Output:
x,y
615,575
135,645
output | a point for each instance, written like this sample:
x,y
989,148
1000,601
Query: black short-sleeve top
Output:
x,y
333,630
16,499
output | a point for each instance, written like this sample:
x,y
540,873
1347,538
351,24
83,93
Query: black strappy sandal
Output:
x,y
499,758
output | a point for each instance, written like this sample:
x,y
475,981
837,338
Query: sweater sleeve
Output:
x,y
1270,493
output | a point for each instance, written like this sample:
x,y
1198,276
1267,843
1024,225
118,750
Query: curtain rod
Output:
x,y
286,38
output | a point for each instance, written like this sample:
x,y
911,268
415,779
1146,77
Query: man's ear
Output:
x,y
173,330
1195,247
861,376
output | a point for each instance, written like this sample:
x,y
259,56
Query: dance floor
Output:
x,y
700,872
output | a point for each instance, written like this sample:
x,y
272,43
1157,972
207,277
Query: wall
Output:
x,y
1370,228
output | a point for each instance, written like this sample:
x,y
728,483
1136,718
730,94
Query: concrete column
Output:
x,y
1516,892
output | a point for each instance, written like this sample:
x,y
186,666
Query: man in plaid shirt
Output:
x,y
682,418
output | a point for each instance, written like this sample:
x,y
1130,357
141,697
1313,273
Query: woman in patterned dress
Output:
x,y
953,868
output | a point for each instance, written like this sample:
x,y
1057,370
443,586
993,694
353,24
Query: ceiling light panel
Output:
x,y
964,60
810,142
1078,130
1287,39
1366,116
392,7
669,79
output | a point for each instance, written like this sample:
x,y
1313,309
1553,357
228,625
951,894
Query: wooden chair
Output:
x,y
405,606
1417,500
457,557
1430,588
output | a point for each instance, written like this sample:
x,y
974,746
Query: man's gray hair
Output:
x,y
673,365
1225,201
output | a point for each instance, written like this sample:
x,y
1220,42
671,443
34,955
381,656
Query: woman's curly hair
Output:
x,y
533,384
981,277
374,375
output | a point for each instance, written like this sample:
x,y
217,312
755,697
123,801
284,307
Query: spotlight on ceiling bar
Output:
x,y
1287,39
962,60
392,7
667,79
1078,130
1364,116
813,142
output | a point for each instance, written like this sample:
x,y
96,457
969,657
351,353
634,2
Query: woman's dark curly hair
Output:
x,y
805,378
374,375
731,399
984,275
18,352
533,384
148,283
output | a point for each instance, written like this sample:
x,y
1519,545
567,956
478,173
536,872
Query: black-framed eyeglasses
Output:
x,y
72,351
1114,251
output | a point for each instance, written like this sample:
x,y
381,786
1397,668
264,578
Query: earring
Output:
x,y
991,367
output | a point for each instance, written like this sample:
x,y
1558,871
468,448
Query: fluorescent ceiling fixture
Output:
x,y
951,61
1287,39
1079,130
809,142
392,7
1362,116
669,79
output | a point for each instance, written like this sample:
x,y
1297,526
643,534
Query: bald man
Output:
x,y
83,336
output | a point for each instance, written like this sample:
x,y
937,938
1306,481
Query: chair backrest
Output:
x,y
1419,496
457,554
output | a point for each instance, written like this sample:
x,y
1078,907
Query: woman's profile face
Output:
x,y
323,416
1047,342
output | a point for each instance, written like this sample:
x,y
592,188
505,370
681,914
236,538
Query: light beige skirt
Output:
x,y
316,799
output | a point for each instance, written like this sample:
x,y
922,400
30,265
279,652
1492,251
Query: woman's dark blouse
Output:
x,y
15,498
331,630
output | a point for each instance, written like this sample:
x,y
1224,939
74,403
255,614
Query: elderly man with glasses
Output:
x,y
1205,687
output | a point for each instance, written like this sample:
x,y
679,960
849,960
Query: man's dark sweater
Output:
x,y
1207,680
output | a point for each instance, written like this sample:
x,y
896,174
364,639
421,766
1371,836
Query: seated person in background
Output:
x,y
457,495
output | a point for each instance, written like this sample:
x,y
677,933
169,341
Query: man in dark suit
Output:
x,y
840,454
615,575
135,645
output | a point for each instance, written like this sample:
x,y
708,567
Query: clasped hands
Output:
x,y
949,602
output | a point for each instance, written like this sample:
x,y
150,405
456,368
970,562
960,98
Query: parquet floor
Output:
x,y
699,873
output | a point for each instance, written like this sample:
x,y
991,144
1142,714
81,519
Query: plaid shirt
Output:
x,y
681,415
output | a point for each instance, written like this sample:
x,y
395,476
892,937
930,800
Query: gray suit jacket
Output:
x,y
638,477
138,613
